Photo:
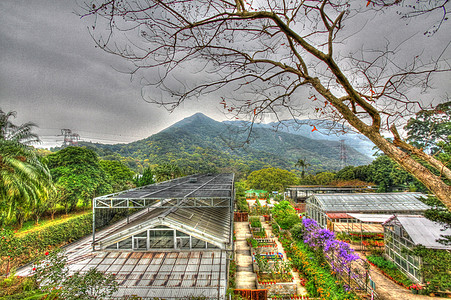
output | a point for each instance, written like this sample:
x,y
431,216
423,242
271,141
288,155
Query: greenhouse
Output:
x,y
171,240
320,205
408,231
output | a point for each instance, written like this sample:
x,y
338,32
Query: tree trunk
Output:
x,y
433,182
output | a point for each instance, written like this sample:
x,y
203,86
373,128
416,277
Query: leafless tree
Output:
x,y
265,56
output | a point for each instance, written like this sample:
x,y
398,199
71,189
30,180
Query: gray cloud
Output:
x,y
52,74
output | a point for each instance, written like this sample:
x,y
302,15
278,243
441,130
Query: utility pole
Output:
x,y
343,154
70,138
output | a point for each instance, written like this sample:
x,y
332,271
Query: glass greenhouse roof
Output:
x,y
371,202
211,224
204,186
423,231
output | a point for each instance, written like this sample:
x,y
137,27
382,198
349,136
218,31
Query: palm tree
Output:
x,y
302,163
167,171
25,182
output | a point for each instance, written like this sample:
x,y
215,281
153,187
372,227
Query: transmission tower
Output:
x,y
70,138
343,154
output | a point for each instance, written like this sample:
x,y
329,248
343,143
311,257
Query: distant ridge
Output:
x,y
199,144
326,130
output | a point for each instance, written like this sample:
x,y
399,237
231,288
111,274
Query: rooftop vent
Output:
x,y
192,180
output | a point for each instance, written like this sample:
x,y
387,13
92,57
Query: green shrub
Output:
x,y
33,245
255,222
241,204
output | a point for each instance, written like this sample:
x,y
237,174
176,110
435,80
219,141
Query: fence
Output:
x,y
357,275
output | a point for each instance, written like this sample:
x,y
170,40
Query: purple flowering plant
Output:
x,y
338,253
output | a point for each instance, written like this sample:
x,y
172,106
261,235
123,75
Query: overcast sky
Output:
x,y
52,74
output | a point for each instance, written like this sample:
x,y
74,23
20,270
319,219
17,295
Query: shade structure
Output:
x,y
371,218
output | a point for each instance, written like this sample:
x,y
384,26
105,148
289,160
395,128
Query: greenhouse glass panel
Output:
x,y
211,246
140,243
161,239
126,244
142,234
179,233
198,244
112,247
183,243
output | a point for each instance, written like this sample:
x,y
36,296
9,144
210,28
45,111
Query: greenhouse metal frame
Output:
x,y
318,205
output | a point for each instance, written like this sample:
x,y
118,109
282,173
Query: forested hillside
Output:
x,y
200,144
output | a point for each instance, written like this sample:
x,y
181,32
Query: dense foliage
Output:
x,y
51,280
119,175
25,182
78,176
285,215
146,178
390,270
271,179
24,249
431,128
435,268
320,280
240,196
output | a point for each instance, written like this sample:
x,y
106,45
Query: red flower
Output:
x,y
46,253
34,269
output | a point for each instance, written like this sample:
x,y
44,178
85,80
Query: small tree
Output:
x,y
52,278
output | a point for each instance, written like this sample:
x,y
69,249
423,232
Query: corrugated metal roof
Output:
x,y
167,275
423,231
338,216
371,202
371,218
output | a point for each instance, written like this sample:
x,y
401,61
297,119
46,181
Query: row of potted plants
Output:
x,y
390,270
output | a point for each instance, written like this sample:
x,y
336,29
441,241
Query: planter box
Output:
x,y
271,263
271,248
255,229
264,250
280,288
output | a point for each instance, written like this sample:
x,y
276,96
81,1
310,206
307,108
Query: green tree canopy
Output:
x,y
78,176
120,175
167,171
271,179
25,182
285,215
388,175
431,127
146,178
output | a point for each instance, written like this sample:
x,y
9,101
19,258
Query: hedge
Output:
x,y
25,249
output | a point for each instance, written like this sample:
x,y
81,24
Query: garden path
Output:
x,y
388,290
245,277
300,289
